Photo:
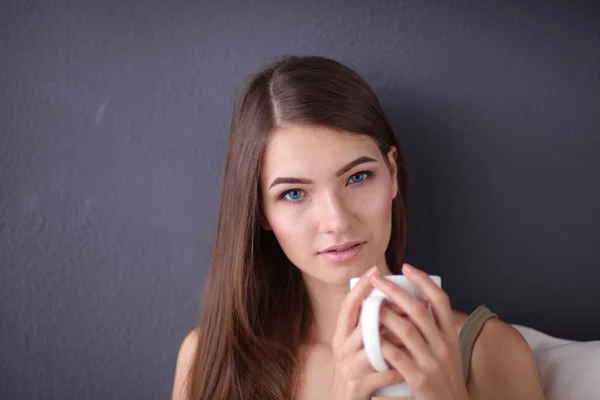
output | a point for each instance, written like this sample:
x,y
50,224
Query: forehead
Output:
x,y
304,149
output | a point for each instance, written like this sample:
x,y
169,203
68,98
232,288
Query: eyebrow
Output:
x,y
340,172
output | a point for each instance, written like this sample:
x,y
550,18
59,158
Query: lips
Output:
x,y
343,252
342,246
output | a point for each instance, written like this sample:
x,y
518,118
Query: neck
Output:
x,y
326,300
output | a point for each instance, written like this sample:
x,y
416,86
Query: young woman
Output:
x,y
314,193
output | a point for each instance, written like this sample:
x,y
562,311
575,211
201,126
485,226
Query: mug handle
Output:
x,y
369,322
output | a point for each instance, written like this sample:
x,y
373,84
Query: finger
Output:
x,y
377,380
399,359
348,315
410,336
413,308
392,338
439,299
358,364
389,335
396,308
353,343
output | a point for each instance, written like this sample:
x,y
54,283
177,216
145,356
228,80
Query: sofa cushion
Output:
x,y
569,370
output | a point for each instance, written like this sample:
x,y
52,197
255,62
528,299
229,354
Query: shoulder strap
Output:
x,y
469,332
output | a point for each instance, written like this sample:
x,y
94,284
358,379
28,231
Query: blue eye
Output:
x,y
359,177
293,194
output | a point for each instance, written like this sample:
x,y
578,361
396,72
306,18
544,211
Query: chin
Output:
x,y
341,274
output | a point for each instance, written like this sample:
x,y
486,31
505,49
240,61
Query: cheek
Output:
x,y
289,227
292,240
375,212
279,222
382,205
386,208
282,231
286,233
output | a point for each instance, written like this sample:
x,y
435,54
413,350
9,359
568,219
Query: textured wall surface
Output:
x,y
113,128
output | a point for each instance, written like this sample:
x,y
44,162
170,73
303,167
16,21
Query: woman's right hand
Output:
x,y
354,377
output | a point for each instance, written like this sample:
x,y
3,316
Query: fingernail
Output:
x,y
407,268
372,272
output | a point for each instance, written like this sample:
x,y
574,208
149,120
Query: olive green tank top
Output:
x,y
469,332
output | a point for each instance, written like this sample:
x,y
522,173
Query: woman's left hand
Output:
x,y
433,370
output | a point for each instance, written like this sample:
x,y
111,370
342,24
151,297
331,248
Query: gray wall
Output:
x,y
114,119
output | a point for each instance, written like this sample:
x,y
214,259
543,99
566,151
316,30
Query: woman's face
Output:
x,y
324,188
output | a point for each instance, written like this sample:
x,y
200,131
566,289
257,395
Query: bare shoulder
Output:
x,y
459,319
502,363
185,358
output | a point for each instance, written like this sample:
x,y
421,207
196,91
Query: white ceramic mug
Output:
x,y
369,321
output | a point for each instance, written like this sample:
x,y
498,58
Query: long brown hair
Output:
x,y
256,310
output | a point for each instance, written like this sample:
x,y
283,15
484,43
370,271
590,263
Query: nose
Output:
x,y
335,214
